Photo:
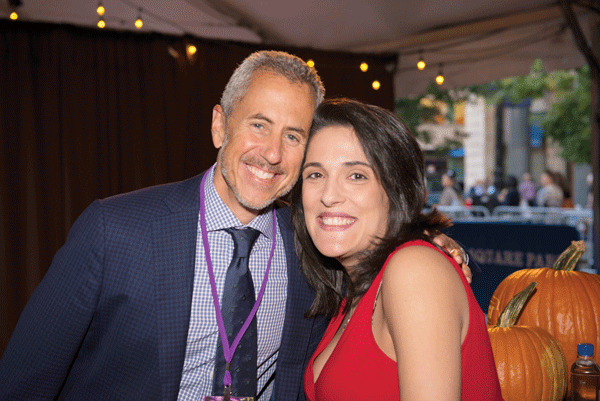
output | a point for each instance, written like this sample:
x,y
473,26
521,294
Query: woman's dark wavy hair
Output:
x,y
398,162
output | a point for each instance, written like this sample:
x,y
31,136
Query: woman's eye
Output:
x,y
313,175
358,176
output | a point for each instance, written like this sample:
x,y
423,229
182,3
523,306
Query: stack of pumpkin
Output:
x,y
535,337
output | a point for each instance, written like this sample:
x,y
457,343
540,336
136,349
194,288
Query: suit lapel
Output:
x,y
174,240
297,330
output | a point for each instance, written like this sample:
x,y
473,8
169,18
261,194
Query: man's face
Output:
x,y
262,143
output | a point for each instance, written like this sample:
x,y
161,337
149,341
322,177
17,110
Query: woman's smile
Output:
x,y
345,206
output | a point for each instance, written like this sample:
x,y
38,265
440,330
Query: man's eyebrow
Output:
x,y
259,116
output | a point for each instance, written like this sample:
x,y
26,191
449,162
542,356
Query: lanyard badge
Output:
x,y
228,351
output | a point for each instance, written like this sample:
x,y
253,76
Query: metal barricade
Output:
x,y
544,215
464,213
581,219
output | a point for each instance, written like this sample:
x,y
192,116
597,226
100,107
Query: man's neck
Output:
x,y
244,214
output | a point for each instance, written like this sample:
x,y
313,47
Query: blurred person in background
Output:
x,y
550,194
450,195
528,190
509,195
561,181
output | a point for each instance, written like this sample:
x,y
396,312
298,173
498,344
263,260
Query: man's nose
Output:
x,y
272,148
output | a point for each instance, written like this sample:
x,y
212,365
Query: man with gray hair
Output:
x,y
126,309
143,300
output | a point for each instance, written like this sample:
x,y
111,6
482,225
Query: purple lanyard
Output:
x,y
229,351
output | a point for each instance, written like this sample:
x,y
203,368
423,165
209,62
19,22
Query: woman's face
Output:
x,y
345,206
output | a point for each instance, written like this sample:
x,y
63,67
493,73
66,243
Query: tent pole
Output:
x,y
595,137
592,60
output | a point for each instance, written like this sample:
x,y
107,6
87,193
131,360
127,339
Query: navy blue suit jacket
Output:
x,y
109,321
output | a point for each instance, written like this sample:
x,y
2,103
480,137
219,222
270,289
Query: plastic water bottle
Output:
x,y
585,375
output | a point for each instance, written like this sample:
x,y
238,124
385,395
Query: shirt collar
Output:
x,y
219,216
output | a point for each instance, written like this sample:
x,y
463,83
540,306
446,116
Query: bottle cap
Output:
x,y
585,349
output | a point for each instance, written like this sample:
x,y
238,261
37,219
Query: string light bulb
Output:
x,y
100,10
376,85
421,63
440,76
191,50
101,23
138,22
14,16
310,63
364,67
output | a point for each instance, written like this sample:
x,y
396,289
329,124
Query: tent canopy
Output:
x,y
471,42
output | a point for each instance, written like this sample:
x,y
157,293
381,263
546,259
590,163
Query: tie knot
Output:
x,y
243,240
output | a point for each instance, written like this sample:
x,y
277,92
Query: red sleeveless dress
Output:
x,y
358,370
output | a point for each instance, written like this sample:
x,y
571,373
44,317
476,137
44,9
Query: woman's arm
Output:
x,y
425,310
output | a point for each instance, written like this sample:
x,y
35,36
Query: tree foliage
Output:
x,y
567,120
427,107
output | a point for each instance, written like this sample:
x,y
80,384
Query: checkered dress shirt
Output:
x,y
198,368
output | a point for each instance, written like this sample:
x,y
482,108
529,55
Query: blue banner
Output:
x,y
502,248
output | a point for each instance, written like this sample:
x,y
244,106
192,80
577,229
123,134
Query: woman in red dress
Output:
x,y
405,324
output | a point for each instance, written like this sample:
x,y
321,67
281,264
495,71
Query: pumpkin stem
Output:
x,y
511,312
570,256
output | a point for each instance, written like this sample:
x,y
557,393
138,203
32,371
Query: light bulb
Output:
x,y
191,50
138,22
440,76
101,23
14,15
310,63
421,62
376,85
364,67
100,10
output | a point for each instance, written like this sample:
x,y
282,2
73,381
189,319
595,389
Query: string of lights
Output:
x,y
445,50
191,49
486,53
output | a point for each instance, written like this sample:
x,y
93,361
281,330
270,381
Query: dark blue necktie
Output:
x,y
237,303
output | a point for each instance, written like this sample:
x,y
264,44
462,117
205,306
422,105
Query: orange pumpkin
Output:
x,y
566,303
529,362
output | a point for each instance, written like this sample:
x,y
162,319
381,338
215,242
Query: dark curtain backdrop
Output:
x,y
86,114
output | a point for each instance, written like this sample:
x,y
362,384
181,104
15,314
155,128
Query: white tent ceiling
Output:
x,y
476,41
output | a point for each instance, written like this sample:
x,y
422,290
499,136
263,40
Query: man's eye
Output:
x,y
257,126
293,137
313,175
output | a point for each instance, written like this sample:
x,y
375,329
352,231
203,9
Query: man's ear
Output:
x,y
218,126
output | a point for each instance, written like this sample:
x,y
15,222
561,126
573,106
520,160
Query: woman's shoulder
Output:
x,y
415,249
416,263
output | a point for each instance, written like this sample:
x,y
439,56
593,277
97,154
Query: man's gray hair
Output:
x,y
289,66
